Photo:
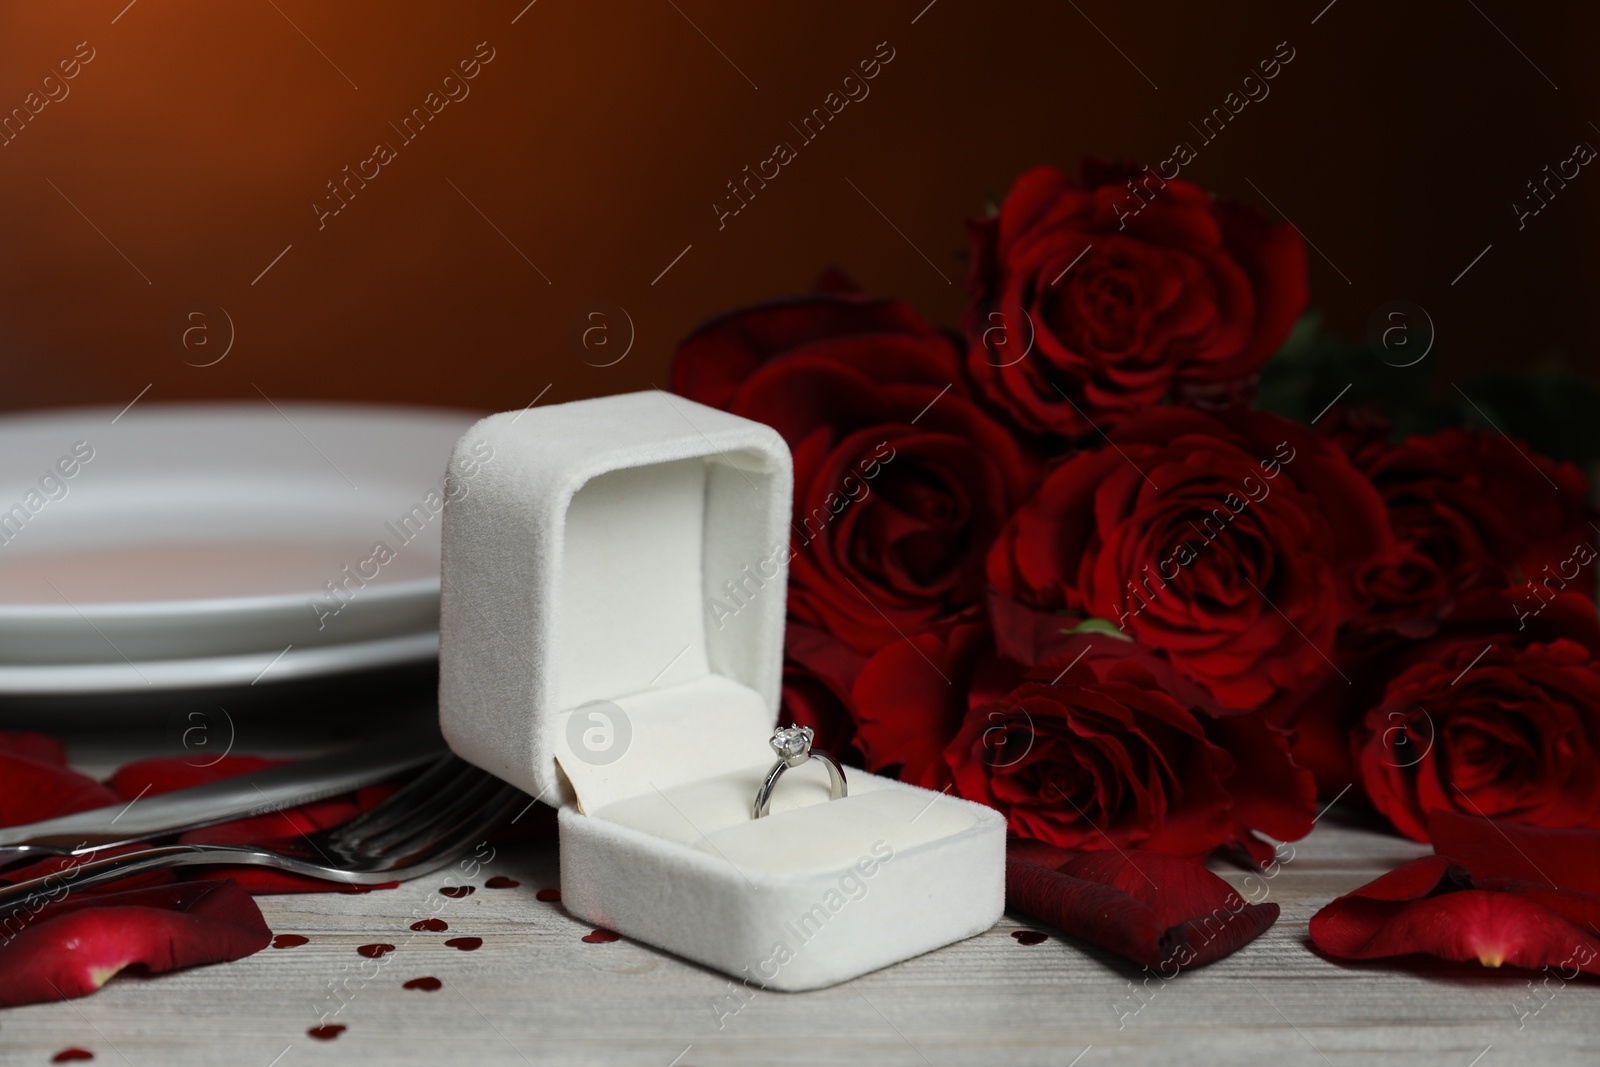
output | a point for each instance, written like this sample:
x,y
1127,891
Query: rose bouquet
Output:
x,y
1061,561
1136,556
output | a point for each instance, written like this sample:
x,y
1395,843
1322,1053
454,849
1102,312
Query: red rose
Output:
x,y
1468,509
901,482
1501,727
1225,542
1092,301
1105,747
1326,720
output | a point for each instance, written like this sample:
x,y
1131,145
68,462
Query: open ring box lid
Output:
x,y
612,642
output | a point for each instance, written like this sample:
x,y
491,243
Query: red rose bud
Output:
x,y
1095,300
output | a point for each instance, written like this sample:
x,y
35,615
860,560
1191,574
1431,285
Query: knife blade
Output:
x,y
259,792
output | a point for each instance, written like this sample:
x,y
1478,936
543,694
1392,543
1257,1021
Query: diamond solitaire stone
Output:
x,y
792,743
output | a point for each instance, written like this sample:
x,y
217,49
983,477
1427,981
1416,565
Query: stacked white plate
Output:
x,y
202,545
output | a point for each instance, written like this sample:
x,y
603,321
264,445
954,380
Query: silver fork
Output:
x,y
428,823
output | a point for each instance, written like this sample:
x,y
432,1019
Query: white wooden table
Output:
x,y
537,993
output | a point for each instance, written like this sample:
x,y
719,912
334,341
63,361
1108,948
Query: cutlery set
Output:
x,y
433,819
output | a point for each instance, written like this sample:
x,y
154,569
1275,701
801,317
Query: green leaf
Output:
x,y
1098,626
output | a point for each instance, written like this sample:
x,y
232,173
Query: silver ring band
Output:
x,y
793,746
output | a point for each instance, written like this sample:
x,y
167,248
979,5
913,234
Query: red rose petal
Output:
x,y
549,896
1569,858
72,948
1428,906
326,1032
466,944
500,881
31,790
168,773
602,936
427,984
818,671
1270,793
1110,899
907,707
32,746
433,925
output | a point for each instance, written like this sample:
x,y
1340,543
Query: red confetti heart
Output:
x,y
67,1055
549,896
426,984
457,891
500,881
326,1033
376,951
433,925
289,941
465,944
600,937
1030,937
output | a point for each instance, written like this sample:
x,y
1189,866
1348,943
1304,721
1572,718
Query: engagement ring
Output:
x,y
793,746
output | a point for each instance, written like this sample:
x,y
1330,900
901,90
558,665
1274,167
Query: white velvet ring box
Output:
x,y
612,642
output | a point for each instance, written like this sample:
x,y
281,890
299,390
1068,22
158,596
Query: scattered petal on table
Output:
x,y
1431,906
74,947
1157,910
34,789
167,773
1489,848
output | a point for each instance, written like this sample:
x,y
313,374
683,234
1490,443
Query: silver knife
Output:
x,y
259,792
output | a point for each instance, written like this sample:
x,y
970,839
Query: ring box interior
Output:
x,y
612,620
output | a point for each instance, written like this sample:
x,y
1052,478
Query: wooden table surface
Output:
x,y
537,993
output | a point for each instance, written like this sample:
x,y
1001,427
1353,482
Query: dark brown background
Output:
x,y
601,133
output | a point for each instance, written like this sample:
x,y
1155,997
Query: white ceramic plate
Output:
x,y
189,545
